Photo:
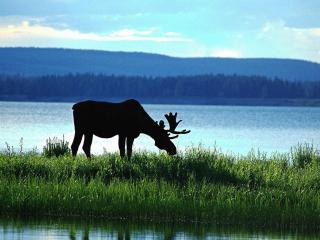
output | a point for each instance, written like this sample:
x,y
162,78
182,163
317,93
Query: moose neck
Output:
x,y
152,129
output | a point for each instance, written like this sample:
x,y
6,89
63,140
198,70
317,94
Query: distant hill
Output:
x,y
43,61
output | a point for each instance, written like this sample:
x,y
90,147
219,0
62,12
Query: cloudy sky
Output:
x,y
185,28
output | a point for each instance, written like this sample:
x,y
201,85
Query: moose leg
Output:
x,y
122,143
76,142
87,144
129,146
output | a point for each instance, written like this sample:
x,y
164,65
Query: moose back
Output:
x,y
127,119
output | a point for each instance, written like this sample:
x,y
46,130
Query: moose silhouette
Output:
x,y
127,119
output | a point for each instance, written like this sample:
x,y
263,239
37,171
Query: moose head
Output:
x,y
164,141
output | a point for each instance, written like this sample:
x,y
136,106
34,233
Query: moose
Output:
x,y
127,119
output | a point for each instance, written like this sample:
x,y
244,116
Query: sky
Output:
x,y
183,28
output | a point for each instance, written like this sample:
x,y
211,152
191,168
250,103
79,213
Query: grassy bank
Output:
x,y
197,185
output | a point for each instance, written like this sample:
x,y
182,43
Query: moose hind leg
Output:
x,y
129,146
87,144
76,142
122,144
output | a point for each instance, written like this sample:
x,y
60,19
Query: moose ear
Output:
x,y
161,124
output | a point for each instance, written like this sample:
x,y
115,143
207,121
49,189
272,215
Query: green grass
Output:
x,y
55,147
196,185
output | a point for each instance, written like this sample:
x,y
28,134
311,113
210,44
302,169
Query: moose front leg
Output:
x,y
129,146
122,144
76,142
87,144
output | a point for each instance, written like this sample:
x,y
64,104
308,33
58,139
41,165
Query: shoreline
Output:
x,y
186,101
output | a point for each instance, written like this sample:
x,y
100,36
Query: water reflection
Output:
x,y
34,229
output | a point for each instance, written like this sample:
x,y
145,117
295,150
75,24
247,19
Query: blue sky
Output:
x,y
185,28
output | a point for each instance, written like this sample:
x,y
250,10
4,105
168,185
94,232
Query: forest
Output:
x,y
74,86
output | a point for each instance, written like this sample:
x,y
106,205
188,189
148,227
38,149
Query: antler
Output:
x,y
172,120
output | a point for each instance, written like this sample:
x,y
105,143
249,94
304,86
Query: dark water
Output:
x,y
232,128
63,229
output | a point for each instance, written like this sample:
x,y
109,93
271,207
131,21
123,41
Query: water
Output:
x,y
234,129
70,229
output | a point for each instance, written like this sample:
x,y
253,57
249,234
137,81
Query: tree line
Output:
x,y
198,86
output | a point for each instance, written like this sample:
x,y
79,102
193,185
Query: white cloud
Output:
x,y
228,53
298,42
173,34
125,33
24,31
280,26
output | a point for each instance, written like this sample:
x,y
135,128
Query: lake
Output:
x,y
58,229
233,129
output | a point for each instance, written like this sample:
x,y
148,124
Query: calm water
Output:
x,y
62,229
232,128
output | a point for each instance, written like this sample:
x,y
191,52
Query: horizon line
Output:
x,y
160,54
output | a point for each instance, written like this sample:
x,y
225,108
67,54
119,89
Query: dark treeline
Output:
x,y
201,86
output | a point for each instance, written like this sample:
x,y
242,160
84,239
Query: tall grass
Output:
x,y
304,155
198,184
159,200
254,169
56,147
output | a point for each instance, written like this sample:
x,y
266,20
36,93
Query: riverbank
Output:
x,y
197,185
